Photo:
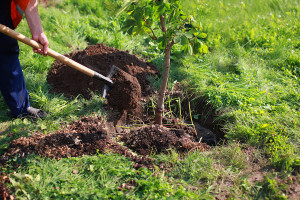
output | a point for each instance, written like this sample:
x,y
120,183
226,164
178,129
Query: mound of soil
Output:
x,y
84,137
127,90
90,135
126,93
155,139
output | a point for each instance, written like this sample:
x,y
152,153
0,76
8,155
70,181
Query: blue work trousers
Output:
x,y
12,84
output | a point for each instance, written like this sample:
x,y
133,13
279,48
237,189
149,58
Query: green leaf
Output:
x,y
183,40
190,49
26,121
146,30
92,168
203,35
204,48
43,127
161,9
188,35
128,23
162,42
183,17
197,46
196,33
167,6
196,116
130,30
177,39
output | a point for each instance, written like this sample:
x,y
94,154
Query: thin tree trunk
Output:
x,y
161,95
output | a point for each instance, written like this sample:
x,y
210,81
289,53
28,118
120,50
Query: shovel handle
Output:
x,y
18,36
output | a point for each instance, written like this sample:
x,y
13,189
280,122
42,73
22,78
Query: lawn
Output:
x,y
248,84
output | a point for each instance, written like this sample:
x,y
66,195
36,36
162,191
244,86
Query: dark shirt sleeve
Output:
x,y
7,44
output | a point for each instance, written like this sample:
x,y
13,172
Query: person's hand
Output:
x,y
42,39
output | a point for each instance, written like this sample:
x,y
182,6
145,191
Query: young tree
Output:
x,y
165,23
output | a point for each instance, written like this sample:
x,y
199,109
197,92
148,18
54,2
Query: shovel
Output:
x,y
107,79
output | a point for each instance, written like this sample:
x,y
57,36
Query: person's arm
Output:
x,y
34,23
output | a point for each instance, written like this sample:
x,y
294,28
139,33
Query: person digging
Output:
x,y
12,83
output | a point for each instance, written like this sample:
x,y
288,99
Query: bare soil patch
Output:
x,y
90,136
155,139
87,136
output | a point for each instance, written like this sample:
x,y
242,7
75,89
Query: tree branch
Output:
x,y
153,34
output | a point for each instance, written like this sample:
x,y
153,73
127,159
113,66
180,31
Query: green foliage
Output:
x,y
144,17
92,7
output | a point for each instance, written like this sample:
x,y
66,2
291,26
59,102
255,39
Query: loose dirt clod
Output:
x,y
126,92
5,193
155,139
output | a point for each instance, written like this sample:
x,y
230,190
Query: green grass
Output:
x,y
253,71
94,177
251,76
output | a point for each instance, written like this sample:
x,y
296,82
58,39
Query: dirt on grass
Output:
x,y
90,136
156,139
87,136
5,193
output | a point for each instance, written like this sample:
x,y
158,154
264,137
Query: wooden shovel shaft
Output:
x,y
52,53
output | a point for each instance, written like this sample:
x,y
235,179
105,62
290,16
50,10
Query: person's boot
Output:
x,y
35,113
32,113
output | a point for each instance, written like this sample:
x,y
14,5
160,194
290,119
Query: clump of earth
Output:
x,y
131,82
90,135
156,139
5,193
100,58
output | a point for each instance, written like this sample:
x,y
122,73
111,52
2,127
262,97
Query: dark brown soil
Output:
x,y
5,193
90,135
127,89
84,137
155,139
126,93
